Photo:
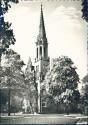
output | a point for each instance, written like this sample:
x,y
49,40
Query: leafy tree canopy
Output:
x,y
85,79
84,96
12,75
85,10
6,33
31,88
62,80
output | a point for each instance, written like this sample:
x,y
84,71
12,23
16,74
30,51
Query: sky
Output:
x,y
65,30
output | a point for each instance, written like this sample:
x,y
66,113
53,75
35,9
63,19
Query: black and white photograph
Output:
x,y
43,62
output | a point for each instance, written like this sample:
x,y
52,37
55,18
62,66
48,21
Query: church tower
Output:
x,y
41,59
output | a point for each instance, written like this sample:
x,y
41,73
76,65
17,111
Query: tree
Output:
x,y
16,101
62,81
6,33
85,79
3,99
31,88
84,95
12,75
85,10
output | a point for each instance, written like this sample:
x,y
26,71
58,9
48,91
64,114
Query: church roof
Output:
x,y
42,32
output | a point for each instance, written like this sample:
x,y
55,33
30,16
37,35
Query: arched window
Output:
x,y
37,52
44,52
40,50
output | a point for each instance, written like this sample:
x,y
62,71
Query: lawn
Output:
x,y
39,119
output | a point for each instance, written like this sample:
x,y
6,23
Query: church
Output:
x,y
41,59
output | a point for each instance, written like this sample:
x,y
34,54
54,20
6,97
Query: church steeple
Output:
x,y
42,32
41,60
41,43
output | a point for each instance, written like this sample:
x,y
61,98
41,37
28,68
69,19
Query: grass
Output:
x,y
39,119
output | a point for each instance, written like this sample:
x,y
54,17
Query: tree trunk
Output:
x,y
0,59
9,94
0,102
57,107
31,108
0,91
67,110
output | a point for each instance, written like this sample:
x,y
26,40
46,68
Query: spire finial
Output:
x,y
41,6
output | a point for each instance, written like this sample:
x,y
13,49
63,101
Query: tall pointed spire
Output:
x,y
41,60
42,32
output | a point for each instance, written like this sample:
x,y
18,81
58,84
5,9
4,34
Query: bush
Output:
x,y
86,111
